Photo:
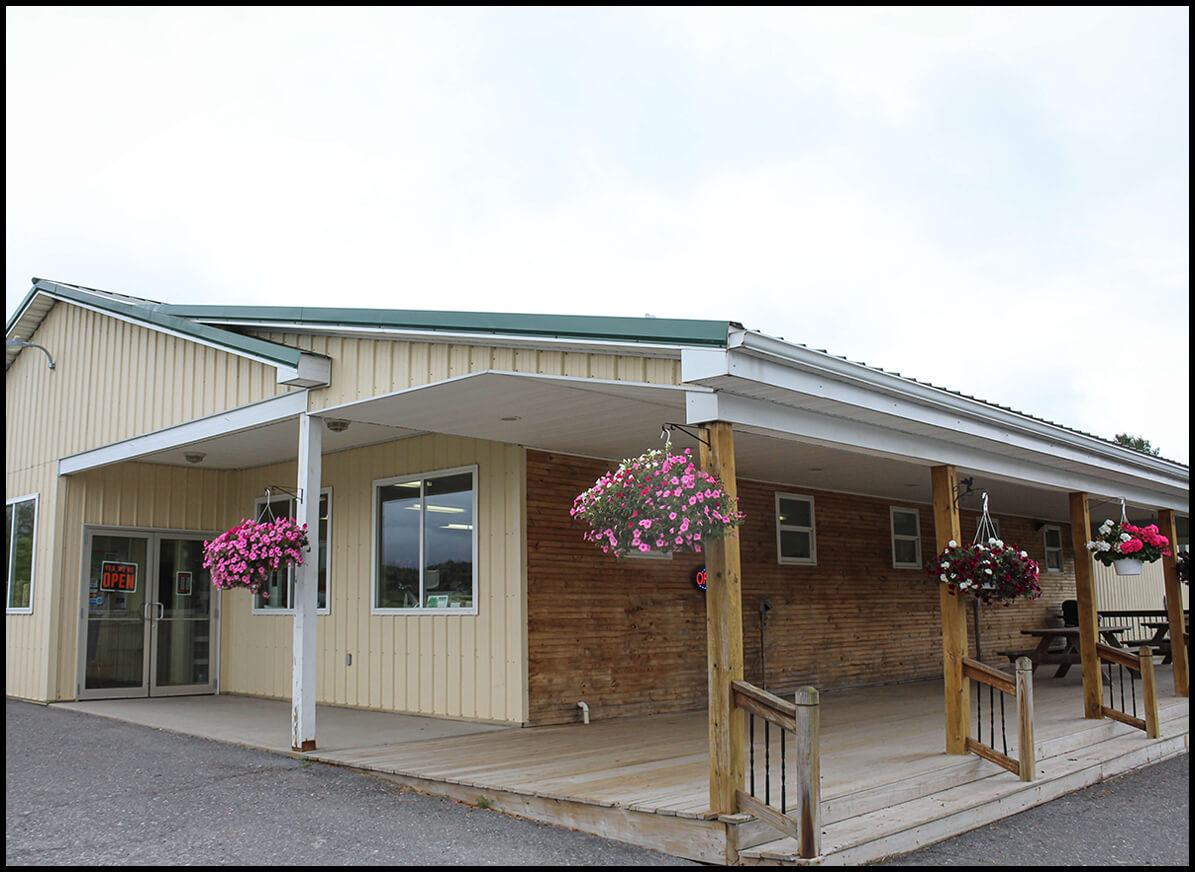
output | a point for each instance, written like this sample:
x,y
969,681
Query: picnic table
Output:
x,y
1160,642
1067,653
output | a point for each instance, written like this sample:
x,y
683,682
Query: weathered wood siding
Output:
x,y
628,636
112,380
466,666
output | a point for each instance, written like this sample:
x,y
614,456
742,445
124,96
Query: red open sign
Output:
x,y
118,577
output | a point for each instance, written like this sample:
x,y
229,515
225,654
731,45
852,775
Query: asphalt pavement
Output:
x,y
85,790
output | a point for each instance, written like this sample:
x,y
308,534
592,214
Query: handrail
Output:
x,y
1020,689
800,720
1143,664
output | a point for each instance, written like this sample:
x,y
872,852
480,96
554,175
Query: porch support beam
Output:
x,y
954,616
1093,680
724,635
1174,605
302,709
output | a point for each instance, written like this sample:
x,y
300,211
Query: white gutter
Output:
x,y
902,388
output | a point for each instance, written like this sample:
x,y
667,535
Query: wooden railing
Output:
x,y
784,772
1140,664
1000,685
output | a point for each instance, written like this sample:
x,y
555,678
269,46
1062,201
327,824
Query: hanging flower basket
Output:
x,y
248,554
1114,543
656,502
1183,565
991,572
1127,566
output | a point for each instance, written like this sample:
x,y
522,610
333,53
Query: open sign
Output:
x,y
120,577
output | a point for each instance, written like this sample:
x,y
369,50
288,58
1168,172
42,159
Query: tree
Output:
x,y
1137,444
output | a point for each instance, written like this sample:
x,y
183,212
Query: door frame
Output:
x,y
153,537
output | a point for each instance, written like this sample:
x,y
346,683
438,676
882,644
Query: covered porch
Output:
x,y
887,785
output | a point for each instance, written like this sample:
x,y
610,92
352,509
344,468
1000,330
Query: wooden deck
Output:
x,y
887,785
644,780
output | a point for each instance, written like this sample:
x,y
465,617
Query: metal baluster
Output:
x,y
992,714
1120,666
978,709
783,775
752,723
1003,724
767,761
1133,690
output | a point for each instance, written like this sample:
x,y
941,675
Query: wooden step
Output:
x,y
1105,750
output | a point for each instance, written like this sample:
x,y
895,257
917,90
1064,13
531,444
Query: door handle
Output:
x,y
161,611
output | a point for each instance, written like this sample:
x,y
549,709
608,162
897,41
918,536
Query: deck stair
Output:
x,y
902,816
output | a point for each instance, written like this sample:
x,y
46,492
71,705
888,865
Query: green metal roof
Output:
x,y
158,314
668,331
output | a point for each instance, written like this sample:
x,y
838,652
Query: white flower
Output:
x,y
951,544
988,571
1125,537
945,565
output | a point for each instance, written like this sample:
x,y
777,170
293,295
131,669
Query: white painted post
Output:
x,y
302,710
809,773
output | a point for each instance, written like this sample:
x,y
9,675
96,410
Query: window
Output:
x,y
906,538
281,585
1053,538
20,516
796,541
425,552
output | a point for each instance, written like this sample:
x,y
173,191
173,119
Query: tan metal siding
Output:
x,y
1146,591
364,367
466,666
112,380
137,495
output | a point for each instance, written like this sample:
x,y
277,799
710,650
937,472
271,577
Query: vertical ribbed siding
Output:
x,y
134,495
466,666
1145,592
112,380
368,367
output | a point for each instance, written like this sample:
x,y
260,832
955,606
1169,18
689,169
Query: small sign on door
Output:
x,y
182,583
120,577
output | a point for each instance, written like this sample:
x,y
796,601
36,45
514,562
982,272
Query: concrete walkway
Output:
x,y
265,723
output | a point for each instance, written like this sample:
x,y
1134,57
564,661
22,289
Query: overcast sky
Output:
x,y
992,200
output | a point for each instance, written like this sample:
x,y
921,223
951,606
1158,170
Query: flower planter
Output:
x,y
656,502
1126,547
249,553
1127,566
992,573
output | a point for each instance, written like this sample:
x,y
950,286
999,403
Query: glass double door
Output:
x,y
149,627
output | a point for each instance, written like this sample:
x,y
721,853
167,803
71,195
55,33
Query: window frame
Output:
x,y
1045,530
375,542
325,609
10,554
811,560
916,513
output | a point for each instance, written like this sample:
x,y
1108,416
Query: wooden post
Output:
x,y
1174,606
724,635
954,618
303,665
809,769
1028,753
1089,633
1149,689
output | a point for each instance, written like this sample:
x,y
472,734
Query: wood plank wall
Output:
x,y
628,636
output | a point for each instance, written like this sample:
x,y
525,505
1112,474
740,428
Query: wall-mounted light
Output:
x,y
194,456
337,425
21,343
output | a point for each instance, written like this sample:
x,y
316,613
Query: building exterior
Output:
x,y
446,449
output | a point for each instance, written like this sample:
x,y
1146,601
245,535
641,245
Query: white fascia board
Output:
x,y
497,340
313,371
773,362
288,405
774,418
